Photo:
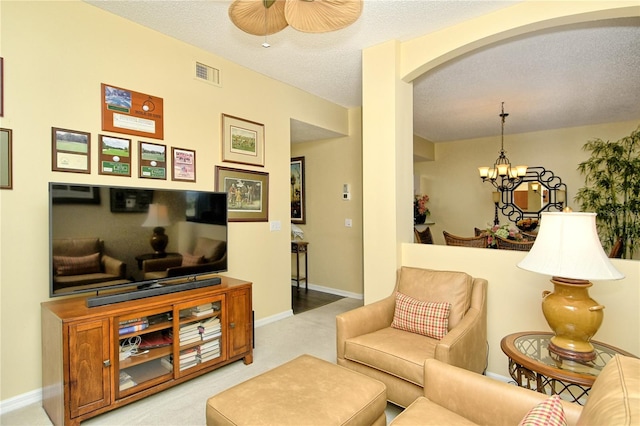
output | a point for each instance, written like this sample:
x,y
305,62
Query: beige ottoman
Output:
x,y
304,391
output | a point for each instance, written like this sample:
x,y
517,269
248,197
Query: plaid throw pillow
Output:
x,y
191,260
430,319
76,265
548,413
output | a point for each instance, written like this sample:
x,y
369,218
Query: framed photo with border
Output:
x,y
298,213
71,151
133,113
6,160
115,156
242,141
153,161
184,164
247,194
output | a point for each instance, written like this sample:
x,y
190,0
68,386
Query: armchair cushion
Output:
x,y
76,265
427,318
438,286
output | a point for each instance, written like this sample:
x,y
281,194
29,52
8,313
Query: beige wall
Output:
x,y
515,295
460,201
56,54
335,251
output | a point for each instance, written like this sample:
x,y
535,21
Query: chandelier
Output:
x,y
502,175
265,17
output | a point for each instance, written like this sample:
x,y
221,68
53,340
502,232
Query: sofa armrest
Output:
x,y
161,263
481,399
113,266
363,320
465,346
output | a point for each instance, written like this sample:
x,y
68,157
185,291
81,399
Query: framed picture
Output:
x,y
62,193
153,161
298,213
115,156
184,164
242,141
1,87
71,151
133,113
6,162
247,192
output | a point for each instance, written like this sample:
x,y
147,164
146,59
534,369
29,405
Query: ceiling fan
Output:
x,y
265,17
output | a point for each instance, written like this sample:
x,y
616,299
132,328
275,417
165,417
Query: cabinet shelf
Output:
x,y
154,353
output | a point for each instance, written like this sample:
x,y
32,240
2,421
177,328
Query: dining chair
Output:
x,y
505,244
528,236
454,240
616,250
423,237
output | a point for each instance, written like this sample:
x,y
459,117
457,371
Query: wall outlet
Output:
x,y
348,223
275,225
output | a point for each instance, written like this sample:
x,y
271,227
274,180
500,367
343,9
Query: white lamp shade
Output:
x,y
568,246
158,216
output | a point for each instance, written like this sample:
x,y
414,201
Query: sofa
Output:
x,y
82,262
370,341
208,255
453,396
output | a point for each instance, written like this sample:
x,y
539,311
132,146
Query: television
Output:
x,y
104,239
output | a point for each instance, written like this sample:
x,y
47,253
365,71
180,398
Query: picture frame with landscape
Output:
x,y
115,156
152,163
247,194
71,151
242,141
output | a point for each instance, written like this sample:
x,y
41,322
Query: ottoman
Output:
x,y
303,391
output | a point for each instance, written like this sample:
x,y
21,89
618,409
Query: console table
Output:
x,y
298,247
533,366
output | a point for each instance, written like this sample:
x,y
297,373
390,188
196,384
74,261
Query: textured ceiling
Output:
x,y
582,74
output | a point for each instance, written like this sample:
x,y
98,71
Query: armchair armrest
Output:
x,y
481,399
461,345
161,263
113,266
363,320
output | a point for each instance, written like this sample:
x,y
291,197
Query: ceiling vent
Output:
x,y
209,74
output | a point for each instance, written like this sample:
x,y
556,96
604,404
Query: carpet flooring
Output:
x,y
312,332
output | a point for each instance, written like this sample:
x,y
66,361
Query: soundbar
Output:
x,y
108,299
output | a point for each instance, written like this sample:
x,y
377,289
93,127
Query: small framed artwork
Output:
x,y
71,151
184,164
242,141
153,160
115,156
132,113
247,192
297,191
6,166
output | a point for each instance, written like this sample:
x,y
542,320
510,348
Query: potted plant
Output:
x,y
612,190
420,210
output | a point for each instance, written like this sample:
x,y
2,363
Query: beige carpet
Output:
x,y
312,332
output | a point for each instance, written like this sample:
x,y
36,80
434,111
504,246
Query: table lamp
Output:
x,y
568,248
157,218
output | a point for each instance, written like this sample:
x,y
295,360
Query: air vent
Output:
x,y
208,74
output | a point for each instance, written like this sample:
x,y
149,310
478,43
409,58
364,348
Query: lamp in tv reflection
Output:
x,y
158,218
568,248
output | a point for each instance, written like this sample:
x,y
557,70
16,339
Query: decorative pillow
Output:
x,y
548,413
430,319
76,265
191,260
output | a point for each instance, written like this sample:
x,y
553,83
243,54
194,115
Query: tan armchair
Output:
x,y
453,396
208,255
82,262
367,343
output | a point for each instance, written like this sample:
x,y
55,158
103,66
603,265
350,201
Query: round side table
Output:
x,y
533,366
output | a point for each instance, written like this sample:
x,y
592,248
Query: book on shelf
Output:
x,y
203,313
184,366
160,318
189,333
189,340
126,381
210,344
166,362
209,356
132,328
203,307
188,353
133,321
184,328
156,339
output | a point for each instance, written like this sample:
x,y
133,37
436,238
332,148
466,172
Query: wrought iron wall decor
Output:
x,y
551,192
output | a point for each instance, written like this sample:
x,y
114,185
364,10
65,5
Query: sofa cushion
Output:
x,y
424,412
426,318
76,265
438,286
191,259
547,413
614,398
395,352
209,249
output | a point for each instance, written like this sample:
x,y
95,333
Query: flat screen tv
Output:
x,y
100,238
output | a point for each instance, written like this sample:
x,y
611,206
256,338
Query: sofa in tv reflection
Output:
x,y
80,263
208,255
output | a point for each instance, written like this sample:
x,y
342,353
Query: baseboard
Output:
x,y
330,290
21,401
500,378
273,318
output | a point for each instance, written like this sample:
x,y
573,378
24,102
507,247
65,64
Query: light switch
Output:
x,y
275,225
348,223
